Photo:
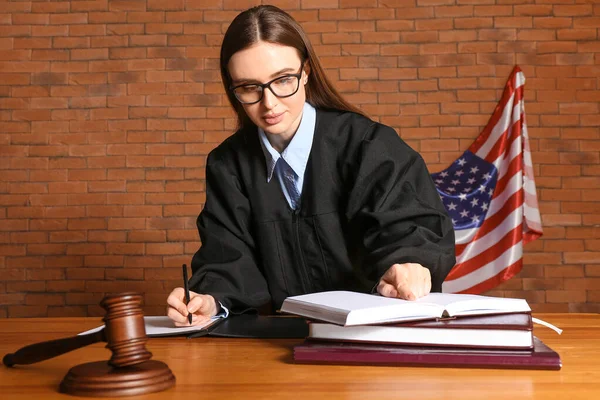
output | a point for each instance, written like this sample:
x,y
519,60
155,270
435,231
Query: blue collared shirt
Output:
x,y
295,154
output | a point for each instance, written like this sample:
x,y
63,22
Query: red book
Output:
x,y
507,331
316,352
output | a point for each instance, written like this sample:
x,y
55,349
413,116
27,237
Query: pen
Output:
x,y
186,288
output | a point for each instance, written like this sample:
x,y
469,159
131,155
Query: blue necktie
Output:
x,y
289,180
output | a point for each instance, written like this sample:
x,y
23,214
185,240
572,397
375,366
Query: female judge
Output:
x,y
308,194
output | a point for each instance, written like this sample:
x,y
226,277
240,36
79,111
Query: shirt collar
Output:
x,y
297,152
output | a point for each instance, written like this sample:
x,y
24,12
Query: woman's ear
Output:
x,y
306,72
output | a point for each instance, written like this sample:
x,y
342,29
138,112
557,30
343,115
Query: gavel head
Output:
x,y
124,329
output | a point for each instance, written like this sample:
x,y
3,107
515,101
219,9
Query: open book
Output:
x,y
352,308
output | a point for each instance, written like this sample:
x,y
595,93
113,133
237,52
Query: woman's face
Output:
x,y
262,63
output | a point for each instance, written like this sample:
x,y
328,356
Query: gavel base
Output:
x,y
99,379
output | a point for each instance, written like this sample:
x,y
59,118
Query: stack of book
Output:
x,y
437,330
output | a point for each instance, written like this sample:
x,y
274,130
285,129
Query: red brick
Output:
x,y
125,274
69,19
53,7
145,261
126,5
107,17
45,299
46,249
89,5
161,5
24,262
18,311
50,30
87,30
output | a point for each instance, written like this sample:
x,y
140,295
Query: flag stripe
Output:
x,y
487,251
514,168
484,272
495,280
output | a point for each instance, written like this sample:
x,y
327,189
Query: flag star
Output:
x,y
451,189
474,202
443,174
459,172
487,176
440,181
456,182
451,206
484,206
462,161
462,196
474,170
491,192
482,188
471,181
464,214
467,189
453,222
475,219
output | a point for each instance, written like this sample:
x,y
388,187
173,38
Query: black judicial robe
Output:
x,y
367,202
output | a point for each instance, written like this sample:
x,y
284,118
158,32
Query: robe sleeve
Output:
x,y
395,205
225,265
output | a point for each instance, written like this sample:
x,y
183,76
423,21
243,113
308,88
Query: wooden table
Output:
x,y
216,368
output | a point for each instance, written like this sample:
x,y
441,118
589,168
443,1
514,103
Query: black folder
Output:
x,y
256,327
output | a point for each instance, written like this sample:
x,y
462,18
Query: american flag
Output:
x,y
489,192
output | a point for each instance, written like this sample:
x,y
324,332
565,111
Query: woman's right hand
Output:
x,y
201,306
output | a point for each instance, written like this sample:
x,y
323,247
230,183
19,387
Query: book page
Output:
x,y
443,299
471,304
350,301
163,326
353,308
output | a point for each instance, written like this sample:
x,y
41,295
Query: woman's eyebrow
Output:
x,y
273,75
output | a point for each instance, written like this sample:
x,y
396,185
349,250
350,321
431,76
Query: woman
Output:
x,y
309,194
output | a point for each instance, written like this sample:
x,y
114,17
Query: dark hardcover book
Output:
x,y
508,331
315,352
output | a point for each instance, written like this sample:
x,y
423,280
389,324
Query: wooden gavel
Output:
x,y
124,333
128,372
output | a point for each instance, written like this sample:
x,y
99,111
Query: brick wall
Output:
x,y
109,108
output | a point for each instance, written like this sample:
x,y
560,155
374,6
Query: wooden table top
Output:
x,y
217,368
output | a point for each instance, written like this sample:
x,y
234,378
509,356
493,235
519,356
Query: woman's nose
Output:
x,y
269,99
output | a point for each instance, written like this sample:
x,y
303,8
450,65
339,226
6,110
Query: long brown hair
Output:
x,y
270,24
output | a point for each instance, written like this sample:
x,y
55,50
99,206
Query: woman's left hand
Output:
x,y
407,281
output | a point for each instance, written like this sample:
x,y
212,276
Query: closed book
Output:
x,y
507,331
314,352
353,308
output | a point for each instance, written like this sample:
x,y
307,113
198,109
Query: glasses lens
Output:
x,y
248,93
285,86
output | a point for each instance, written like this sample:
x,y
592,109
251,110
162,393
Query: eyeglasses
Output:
x,y
283,86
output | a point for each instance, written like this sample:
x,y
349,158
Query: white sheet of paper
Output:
x,y
162,326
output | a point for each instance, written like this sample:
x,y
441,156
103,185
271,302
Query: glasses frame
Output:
x,y
267,85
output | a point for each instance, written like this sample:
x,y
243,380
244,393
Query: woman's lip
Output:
x,y
273,119
271,116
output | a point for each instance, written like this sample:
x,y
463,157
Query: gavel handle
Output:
x,y
52,348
